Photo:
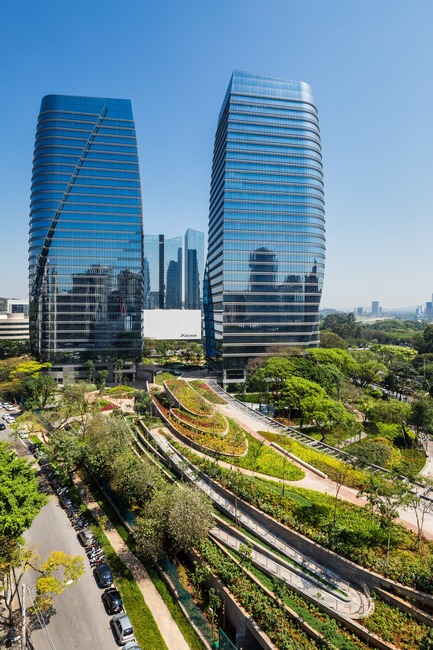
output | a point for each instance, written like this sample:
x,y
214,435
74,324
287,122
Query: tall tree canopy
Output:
x,y
20,500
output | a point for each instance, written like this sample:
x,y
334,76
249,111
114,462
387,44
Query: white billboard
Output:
x,y
169,324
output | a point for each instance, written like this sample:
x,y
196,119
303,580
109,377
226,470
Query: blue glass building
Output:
x,y
173,273
163,276
194,268
86,234
266,244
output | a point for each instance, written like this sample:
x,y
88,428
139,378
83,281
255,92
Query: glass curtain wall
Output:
x,y
266,244
194,268
86,236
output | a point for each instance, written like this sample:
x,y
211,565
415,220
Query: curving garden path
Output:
x,y
254,422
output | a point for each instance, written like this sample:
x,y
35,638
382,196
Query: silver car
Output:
x,y
122,628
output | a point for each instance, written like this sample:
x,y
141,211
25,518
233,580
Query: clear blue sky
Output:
x,y
369,63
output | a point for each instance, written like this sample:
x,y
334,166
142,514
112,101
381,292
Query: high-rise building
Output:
x,y
169,283
376,309
194,268
266,244
86,234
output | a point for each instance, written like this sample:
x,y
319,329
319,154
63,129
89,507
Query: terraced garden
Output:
x,y
188,398
217,424
203,389
232,443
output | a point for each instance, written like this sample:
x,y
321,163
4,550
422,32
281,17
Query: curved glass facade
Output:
x,y
266,247
86,234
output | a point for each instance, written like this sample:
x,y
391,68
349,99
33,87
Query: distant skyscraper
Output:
x,y
375,308
266,244
173,273
86,236
166,286
194,268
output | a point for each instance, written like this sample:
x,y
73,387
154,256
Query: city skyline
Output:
x,y
368,64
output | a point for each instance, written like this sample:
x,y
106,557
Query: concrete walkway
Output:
x,y
164,620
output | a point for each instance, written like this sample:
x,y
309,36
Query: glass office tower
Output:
x,y
266,245
86,235
194,268
162,272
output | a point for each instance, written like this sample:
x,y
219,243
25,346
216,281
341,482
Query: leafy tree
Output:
x,y
118,367
344,325
101,379
134,479
107,439
39,391
90,369
366,371
20,499
313,405
421,503
421,415
59,572
392,411
18,371
179,516
394,356
30,422
332,340
385,498
15,560
189,518
336,357
66,450
14,349
74,409
142,402
300,394
424,342
272,375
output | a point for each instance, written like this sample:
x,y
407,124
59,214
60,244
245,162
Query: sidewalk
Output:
x,y
164,620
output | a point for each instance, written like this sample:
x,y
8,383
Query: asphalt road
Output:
x,y
80,620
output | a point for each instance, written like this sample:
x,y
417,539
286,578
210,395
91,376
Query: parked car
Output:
x,y
122,628
65,500
112,600
131,645
103,576
2,426
85,537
